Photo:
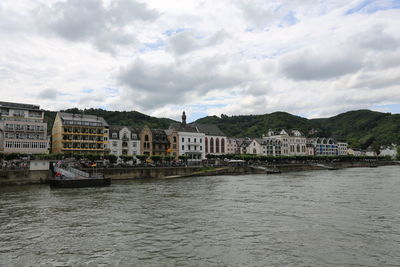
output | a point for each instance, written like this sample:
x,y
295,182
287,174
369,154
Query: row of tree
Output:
x,y
157,159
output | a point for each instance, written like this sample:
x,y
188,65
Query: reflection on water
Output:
x,y
345,217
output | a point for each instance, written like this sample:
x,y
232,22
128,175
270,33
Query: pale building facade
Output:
x,y
191,140
293,143
79,134
232,146
215,142
22,129
123,140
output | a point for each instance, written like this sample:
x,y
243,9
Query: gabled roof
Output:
x,y
208,129
183,128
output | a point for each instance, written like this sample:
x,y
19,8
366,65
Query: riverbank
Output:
x,y
21,177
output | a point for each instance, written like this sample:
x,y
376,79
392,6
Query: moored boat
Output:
x,y
74,178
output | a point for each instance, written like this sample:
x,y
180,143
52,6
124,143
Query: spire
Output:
x,y
183,118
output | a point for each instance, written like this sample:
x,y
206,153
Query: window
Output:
x,y
183,139
189,140
134,144
146,138
183,147
174,139
115,143
195,140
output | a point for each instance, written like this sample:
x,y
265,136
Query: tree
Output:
x,y
111,158
155,158
126,158
398,152
142,158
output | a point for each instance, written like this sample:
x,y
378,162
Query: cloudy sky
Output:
x,y
313,58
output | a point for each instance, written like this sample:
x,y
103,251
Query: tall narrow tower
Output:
x,y
183,118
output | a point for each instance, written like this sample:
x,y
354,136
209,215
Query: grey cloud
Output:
x,y
376,39
92,21
311,66
158,85
187,41
48,94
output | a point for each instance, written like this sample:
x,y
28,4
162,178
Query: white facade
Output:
x,y
342,148
22,129
215,145
293,142
123,141
390,151
191,144
232,146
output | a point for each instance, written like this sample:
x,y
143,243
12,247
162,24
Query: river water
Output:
x,y
319,218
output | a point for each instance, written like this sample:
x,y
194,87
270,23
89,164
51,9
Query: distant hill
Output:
x,y
361,128
126,118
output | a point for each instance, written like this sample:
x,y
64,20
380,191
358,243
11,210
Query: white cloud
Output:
x,y
208,57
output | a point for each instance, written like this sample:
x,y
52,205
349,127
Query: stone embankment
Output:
x,y
19,177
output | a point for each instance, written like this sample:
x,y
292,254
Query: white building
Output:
x,y
22,129
123,140
342,148
293,142
215,141
233,145
191,140
390,151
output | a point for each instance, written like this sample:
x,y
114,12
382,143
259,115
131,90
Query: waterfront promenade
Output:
x,y
25,176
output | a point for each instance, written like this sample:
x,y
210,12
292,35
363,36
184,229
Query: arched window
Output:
x,y
254,151
211,145
206,140
298,148
217,145
222,145
174,139
146,138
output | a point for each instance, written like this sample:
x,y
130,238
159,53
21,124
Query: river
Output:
x,y
317,218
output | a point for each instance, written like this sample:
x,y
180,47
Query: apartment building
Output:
x,y
293,142
123,140
191,140
22,129
79,134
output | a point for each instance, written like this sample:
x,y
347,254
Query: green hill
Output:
x,y
361,128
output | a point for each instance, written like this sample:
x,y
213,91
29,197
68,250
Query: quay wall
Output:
x,y
20,177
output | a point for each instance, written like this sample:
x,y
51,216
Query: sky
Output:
x,y
312,58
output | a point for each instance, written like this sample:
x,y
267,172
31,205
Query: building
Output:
x,y
173,138
272,147
160,143
342,148
123,140
293,142
215,140
233,145
244,145
264,147
390,151
191,140
79,134
22,129
146,141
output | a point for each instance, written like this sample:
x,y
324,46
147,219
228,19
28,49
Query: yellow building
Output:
x,y
79,134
